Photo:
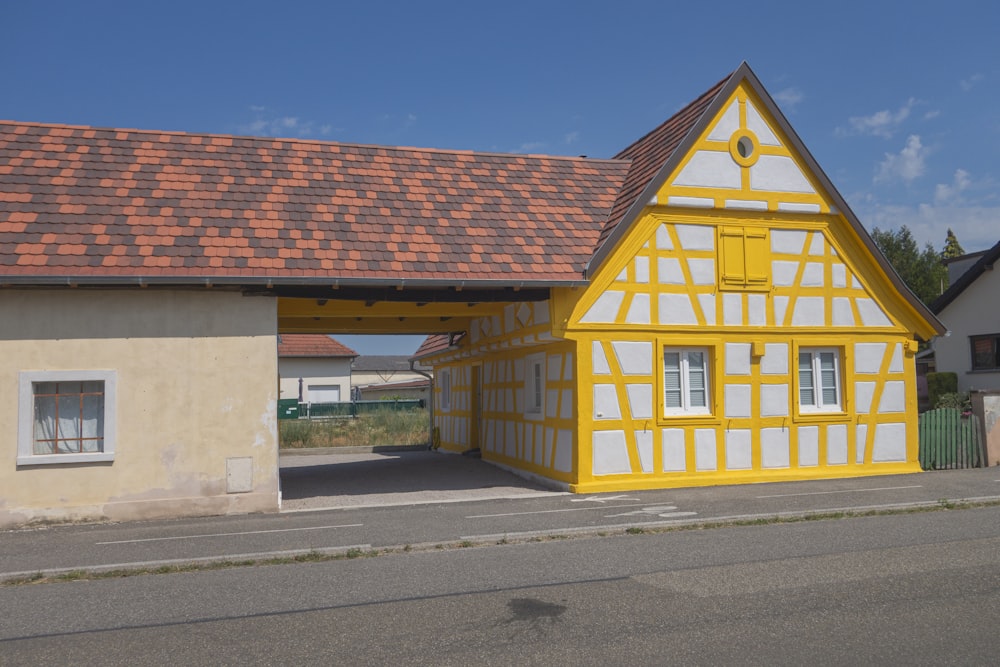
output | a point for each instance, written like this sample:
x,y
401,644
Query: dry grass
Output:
x,y
376,429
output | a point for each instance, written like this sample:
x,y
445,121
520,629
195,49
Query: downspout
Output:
x,y
430,401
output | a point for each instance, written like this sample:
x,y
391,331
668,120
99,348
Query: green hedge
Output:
x,y
941,383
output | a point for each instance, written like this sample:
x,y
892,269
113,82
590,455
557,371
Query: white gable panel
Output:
x,y
638,312
710,169
728,123
696,237
605,309
757,125
777,173
676,309
872,314
787,241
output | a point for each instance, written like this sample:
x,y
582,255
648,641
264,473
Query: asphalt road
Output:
x,y
902,589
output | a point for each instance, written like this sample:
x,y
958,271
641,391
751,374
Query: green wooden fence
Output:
x,y
290,408
948,440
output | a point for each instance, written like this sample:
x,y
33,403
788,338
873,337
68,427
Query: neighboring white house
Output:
x,y
371,373
314,368
970,309
409,389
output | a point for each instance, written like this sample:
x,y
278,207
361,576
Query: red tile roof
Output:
x,y
91,204
435,343
312,345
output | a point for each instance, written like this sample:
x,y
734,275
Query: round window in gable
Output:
x,y
744,148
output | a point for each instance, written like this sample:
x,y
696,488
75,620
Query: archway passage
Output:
x,y
315,479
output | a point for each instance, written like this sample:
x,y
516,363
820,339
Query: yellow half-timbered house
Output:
x,y
737,325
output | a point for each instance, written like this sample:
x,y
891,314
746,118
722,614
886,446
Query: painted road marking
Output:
x,y
598,499
824,493
249,532
572,509
669,511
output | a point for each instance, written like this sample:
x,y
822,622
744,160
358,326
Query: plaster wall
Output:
x,y
972,313
196,402
314,371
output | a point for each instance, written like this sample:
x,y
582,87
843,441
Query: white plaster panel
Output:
x,y
843,315
644,445
732,309
778,173
746,204
860,443
872,314
856,283
638,311
836,444
541,310
839,275
634,357
893,397
728,123
775,359
797,207
787,241
606,402
524,312
809,312
568,367
813,275
543,447
808,446
508,318
780,307
702,271
737,358
705,455
693,202
817,244
674,458
510,441
696,237
737,400
610,453
553,367
642,270
783,273
564,451
896,364
707,303
676,309
623,276
668,271
863,393
738,450
599,361
640,400
759,126
774,400
710,169
868,357
566,405
890,443
551,402
663,241
756,310
605,309
774,448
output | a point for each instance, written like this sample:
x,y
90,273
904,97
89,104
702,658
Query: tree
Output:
x,y
952,248
922,271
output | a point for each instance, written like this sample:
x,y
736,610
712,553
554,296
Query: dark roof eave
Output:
x,y
284,281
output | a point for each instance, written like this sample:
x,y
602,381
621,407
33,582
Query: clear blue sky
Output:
x,y
898,101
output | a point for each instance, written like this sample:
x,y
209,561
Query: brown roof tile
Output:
x,y
312,345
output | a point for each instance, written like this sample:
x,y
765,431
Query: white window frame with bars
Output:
x,y
680,382
87,435
820,385
534,386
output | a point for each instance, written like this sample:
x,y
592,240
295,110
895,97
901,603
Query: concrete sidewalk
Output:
x,y
391,500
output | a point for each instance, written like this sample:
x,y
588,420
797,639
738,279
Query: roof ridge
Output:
x,y
318,142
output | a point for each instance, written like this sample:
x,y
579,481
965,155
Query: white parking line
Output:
x,y
824,493
573,509
249,532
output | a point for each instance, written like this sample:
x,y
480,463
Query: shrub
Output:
x,y
956,400
371,429
941,383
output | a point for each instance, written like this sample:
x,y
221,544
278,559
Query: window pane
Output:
x,y
672,379
696,379
982,353
69,416
828,377
93,417
807,394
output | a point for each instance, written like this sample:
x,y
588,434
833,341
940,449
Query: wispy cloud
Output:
x,y
974,225
267,123
952,193
789,98
571,137
880,124
906,166
969,83
530,147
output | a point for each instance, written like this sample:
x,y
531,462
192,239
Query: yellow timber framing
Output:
x,y
310,315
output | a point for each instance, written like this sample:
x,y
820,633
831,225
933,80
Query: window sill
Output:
x,y
57,459
688,420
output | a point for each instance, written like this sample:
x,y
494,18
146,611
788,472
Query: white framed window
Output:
x,y
444,382
534,386
66,417
686,381
819,380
